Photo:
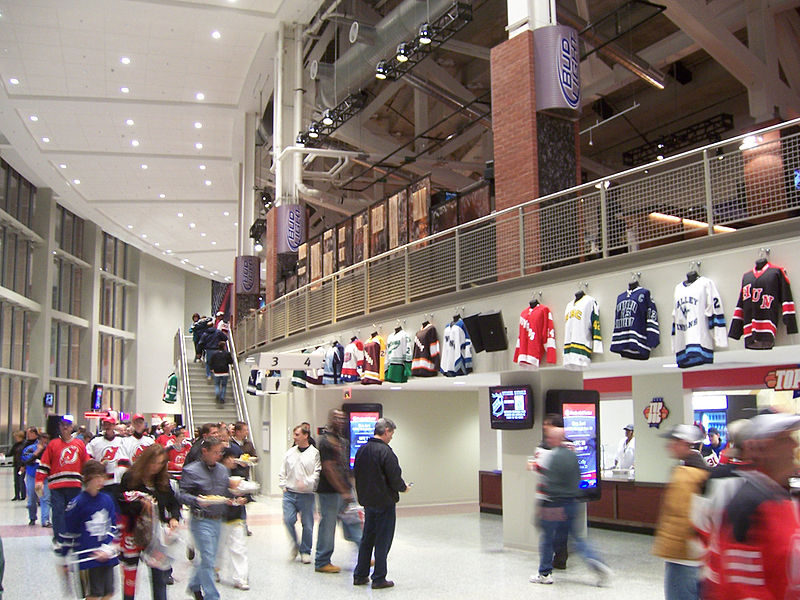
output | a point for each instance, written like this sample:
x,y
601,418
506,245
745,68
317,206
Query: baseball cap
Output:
x,y
713,430
628,427
687,433
770,424
137,416
67,419
111,420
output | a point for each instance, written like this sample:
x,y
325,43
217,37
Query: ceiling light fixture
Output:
x,y
129,122
62,166
34,118
162,196
46,140
225,214
125,60
135,143
207,182
144,236
216,34
76,181
258,247
313,130
203,234
156,244
130,226
144,167
213,243
180,214
381,69
199,145
327,118
404,51
425,34
301,140
198,125
200,96
13,81
202,167
124,89
192,225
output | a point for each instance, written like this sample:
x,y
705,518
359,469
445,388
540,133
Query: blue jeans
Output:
x,y
206,534
294,503
557,522
379,525
681,582
220,385
209,354
34,500
329,507
59,499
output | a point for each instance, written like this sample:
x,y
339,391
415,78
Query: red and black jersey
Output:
x,y
425,361
764,297
61,463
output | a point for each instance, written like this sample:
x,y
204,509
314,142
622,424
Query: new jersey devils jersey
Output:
x,y
112,453
135,446
61,463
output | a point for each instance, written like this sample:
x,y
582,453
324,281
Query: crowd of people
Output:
x,y
210,337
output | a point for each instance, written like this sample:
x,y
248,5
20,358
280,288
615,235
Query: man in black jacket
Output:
x,y
378,483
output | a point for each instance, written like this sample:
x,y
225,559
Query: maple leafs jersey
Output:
x,y
456,350
698,322
353,365
398,357
635,324
332,367
374,358
426,353
581,333
537,337
765,296
112,453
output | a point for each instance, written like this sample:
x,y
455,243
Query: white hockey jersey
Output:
x,y
353,365
112,453
398,357
581,333
135,446
314,376
698,323
456,350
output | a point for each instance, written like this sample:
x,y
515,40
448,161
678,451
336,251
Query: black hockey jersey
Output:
x,y
765,296
635,324
425,362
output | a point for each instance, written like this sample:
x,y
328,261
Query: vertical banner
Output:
x,y
557,70
291,228
248,275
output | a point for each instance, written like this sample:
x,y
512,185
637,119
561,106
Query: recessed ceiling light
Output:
x,y
202,167
208,182
199,145
198,125
144,167
192,225
200,266
135,143
236,224
125,60
124,89
200,96
129,122
214,272
162,196
34,118
216,34
144,236
130,226
180,215
197,268
203,234
13,81
169,251
213,243
76,181
62,166
225,214
185,260
156,244
46,140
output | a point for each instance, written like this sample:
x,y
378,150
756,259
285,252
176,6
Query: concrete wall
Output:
x,y
197,292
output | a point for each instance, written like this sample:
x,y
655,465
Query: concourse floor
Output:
x,y
438,553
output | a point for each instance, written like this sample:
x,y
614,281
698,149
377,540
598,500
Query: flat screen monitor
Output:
x,y
97,396
361,419
49,400
580,410
511,407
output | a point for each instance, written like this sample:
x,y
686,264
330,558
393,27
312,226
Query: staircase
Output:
x,y
204,406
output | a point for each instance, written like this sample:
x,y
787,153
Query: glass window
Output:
x,y
8,259
13,194
66,232
5,430
5,335
17,352
3,175
74,352
24,212
77,290
117,373
21,282
108,253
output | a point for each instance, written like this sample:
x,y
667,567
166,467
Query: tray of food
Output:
x,y
212,499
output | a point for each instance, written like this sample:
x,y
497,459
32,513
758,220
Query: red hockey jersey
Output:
x,y
537,337
765,296
61,463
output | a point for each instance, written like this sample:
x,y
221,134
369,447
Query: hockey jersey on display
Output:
x,y
635,324
698,322
112,453
456,350
374,358
299,377
765,296
353,365
332,367
581,333
398,356
254,382
426,354
314,376
537,337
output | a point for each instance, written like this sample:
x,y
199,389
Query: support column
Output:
x,y
90,307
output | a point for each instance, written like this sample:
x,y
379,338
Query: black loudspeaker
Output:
x,y
493,331
52,425
178,420
472,323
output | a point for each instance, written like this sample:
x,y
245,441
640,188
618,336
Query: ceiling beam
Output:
x,y
467,49
78,103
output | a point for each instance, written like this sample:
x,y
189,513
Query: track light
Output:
x,y
327,118
425,34
301,139
313,130
381,70
258,247
404,50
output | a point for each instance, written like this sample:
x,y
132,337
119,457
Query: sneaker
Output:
x,y
329,568
293,553
379,585
541,578
602,570
48,524
305,558
170,580
31,523
249,532
241,586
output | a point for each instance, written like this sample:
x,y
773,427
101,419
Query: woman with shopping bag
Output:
x,y
149,516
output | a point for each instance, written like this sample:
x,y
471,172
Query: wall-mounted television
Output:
x,y
361,419
511,407
97,396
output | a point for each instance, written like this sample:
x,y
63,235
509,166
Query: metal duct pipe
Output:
x,y
446,97
356,66
612,51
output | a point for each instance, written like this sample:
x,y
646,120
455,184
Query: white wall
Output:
x,y
197,292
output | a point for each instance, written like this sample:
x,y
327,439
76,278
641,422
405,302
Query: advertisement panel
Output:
x,y
580,427
557,69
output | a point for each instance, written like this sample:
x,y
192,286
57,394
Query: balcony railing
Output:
x,y
717,189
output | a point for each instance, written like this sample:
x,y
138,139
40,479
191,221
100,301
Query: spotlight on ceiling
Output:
x,y
404,51
327,117
425,34
313,130
301,139
381,70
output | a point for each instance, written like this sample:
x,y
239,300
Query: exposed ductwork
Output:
x,y
357,66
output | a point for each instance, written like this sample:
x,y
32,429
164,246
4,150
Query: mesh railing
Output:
x,y
713,190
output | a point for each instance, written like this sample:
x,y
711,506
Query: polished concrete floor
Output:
x,y
438,553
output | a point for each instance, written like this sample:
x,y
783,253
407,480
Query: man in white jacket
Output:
x,y
298,479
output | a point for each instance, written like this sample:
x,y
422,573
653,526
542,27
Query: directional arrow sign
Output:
x,y
297,361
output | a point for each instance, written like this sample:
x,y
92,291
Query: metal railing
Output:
x,y
717,189
242,412
179,358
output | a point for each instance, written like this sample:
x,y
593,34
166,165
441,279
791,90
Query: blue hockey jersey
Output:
x,y
332,369
635,324
90,525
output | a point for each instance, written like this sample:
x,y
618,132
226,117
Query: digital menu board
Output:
x,y
361,419
580,427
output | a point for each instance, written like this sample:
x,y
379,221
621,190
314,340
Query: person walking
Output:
x,y
38,498
232,550
557,515
298,478
19,470
379,481
219,364
674,528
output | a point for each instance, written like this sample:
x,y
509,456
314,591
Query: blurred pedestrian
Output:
x,y
298,478
19,470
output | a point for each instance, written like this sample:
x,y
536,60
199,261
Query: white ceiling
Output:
x,y
67,57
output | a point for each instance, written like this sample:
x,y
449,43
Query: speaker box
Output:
x,y
472,323
52,425
493,331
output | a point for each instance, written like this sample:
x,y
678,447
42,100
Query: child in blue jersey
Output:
x,y
91,530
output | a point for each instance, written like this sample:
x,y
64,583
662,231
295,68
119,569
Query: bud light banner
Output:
x,y
290,227
558,65
248,275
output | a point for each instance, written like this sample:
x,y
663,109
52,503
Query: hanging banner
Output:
x,y
557,70
248,275
290,228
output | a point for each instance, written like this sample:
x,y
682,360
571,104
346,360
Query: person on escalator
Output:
x,y
197,329
219,365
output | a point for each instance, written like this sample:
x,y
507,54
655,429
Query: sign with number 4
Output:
x,y
278,361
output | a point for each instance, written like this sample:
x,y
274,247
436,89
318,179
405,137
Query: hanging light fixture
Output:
x,y
313,130
425,34
381,70
302,139
404,51
327,118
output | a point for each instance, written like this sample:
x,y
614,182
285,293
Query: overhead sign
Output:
x,y
783,380
290,228
248,275
557,69
297,361
94,414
